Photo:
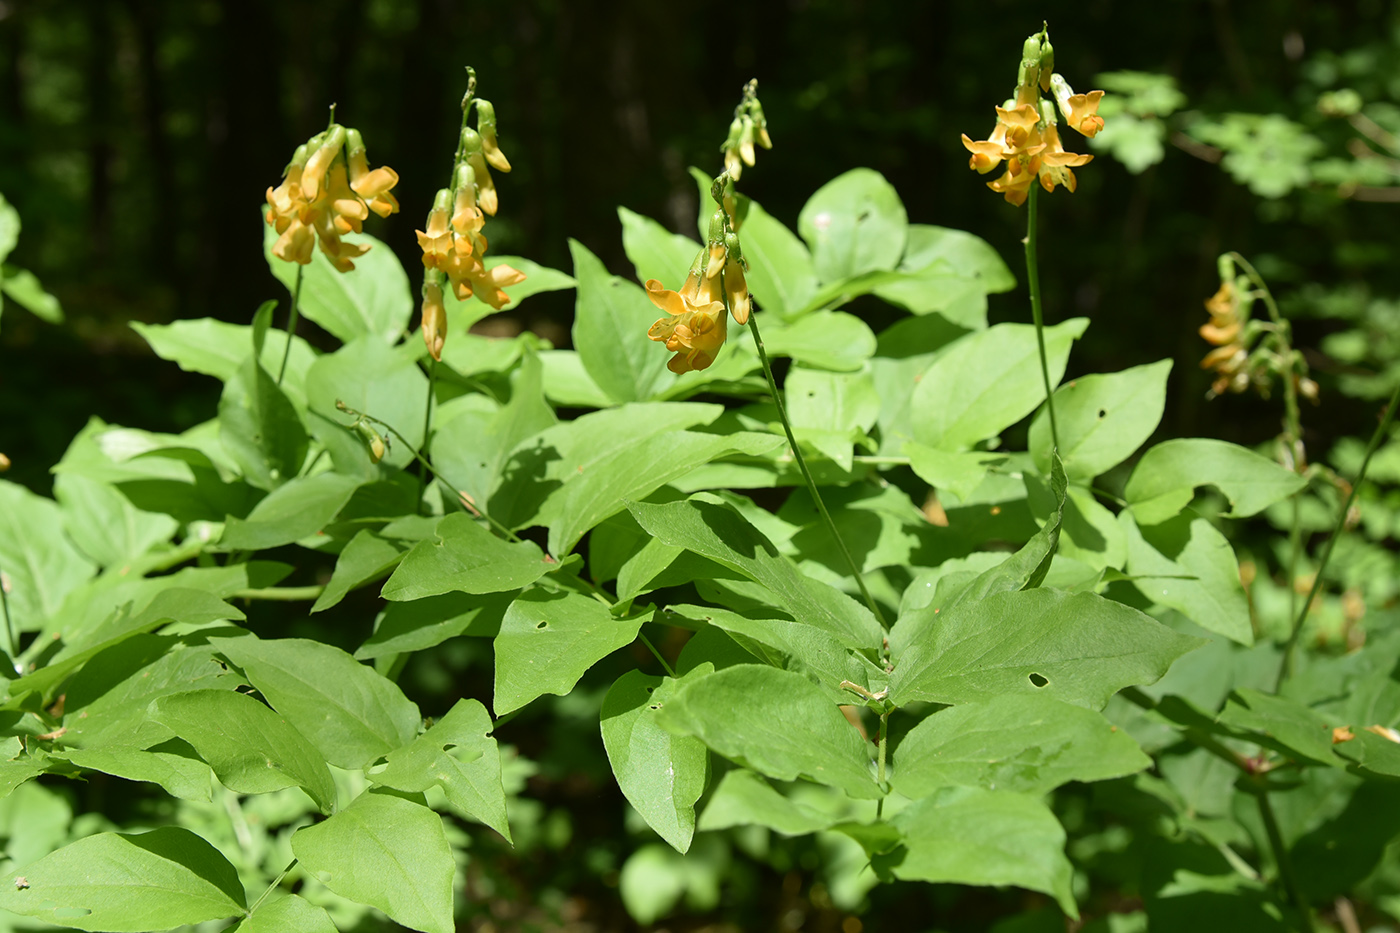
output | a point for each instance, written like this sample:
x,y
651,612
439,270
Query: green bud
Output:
x,y
1047,63
465,177
698,266
443,199
731,246
471,141
1226,266
485,117
717,224
377,445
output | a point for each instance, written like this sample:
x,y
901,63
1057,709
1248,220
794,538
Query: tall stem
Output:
x,y
880,762
9,623
1033,282
1285,862
291,324
427,426
807,474
1379,435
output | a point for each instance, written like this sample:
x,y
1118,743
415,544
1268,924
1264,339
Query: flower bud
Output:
x,y
471,142
376,443
1047,62
4,463
434,317
717,221
736,290
732,247
486,126
320,162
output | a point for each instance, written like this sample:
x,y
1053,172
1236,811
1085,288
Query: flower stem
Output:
x,y
272,887
291,324
1379,435
1033,282
652,648
807,474
9,623
427,427
284,594
880,761
1285,862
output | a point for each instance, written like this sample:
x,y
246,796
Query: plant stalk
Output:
x,y
652,648
807,474
1033,283
1377,437
283,594
427,428
1285,862
880,761
291,324
9,623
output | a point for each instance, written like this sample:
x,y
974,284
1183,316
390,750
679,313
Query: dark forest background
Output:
x,y
137,138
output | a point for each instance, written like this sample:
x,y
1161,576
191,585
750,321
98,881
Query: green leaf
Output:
x,y
371,554
15,772
968,835
610,331
548,641
471,450
656,252
660,774
717,531
22,287
1186,564
179,774
986,382
348,711
251,749
295,510
217,348
388,852
424,623
1165,479
749,713
287,914
634,472
1028,744
375,300
962,253
1102,419
260,428
1079,648
831,401
103,522
41,564
745,799
824,339
958,472
9,228
566,381
1283,724
463,557
142,881
375,379
854,223
457,754
1374,753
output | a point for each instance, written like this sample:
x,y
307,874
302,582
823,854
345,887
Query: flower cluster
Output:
x,y
1240,358
453,245
699,312
1026,136
327,192
749,126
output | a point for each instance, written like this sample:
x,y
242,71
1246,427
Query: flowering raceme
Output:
x,y
328,191
698,321
1026,137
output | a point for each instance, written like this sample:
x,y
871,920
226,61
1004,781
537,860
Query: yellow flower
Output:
x,y
1080,111
1056,162
696,328
434,319
1230,358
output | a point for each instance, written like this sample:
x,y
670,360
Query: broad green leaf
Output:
x,y
959,472
216,348
9,228
548,641
103,522
854,223
388,852
902,353
369,555
1281,723
17,771
260,427
375,300
716,531
471,450
457,754
745,799
777,723
574,448
1102,419
656,252
463,557
41,564
1165,479
1079,648
424,623
1184,563
251,749
180,775
986,382
376,379
962,253
295,510
634,472
1028,744
969,835
1374,753
660,774
567,382
824,339
350,713
134,882
287,914
610,331
22,287
831,401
